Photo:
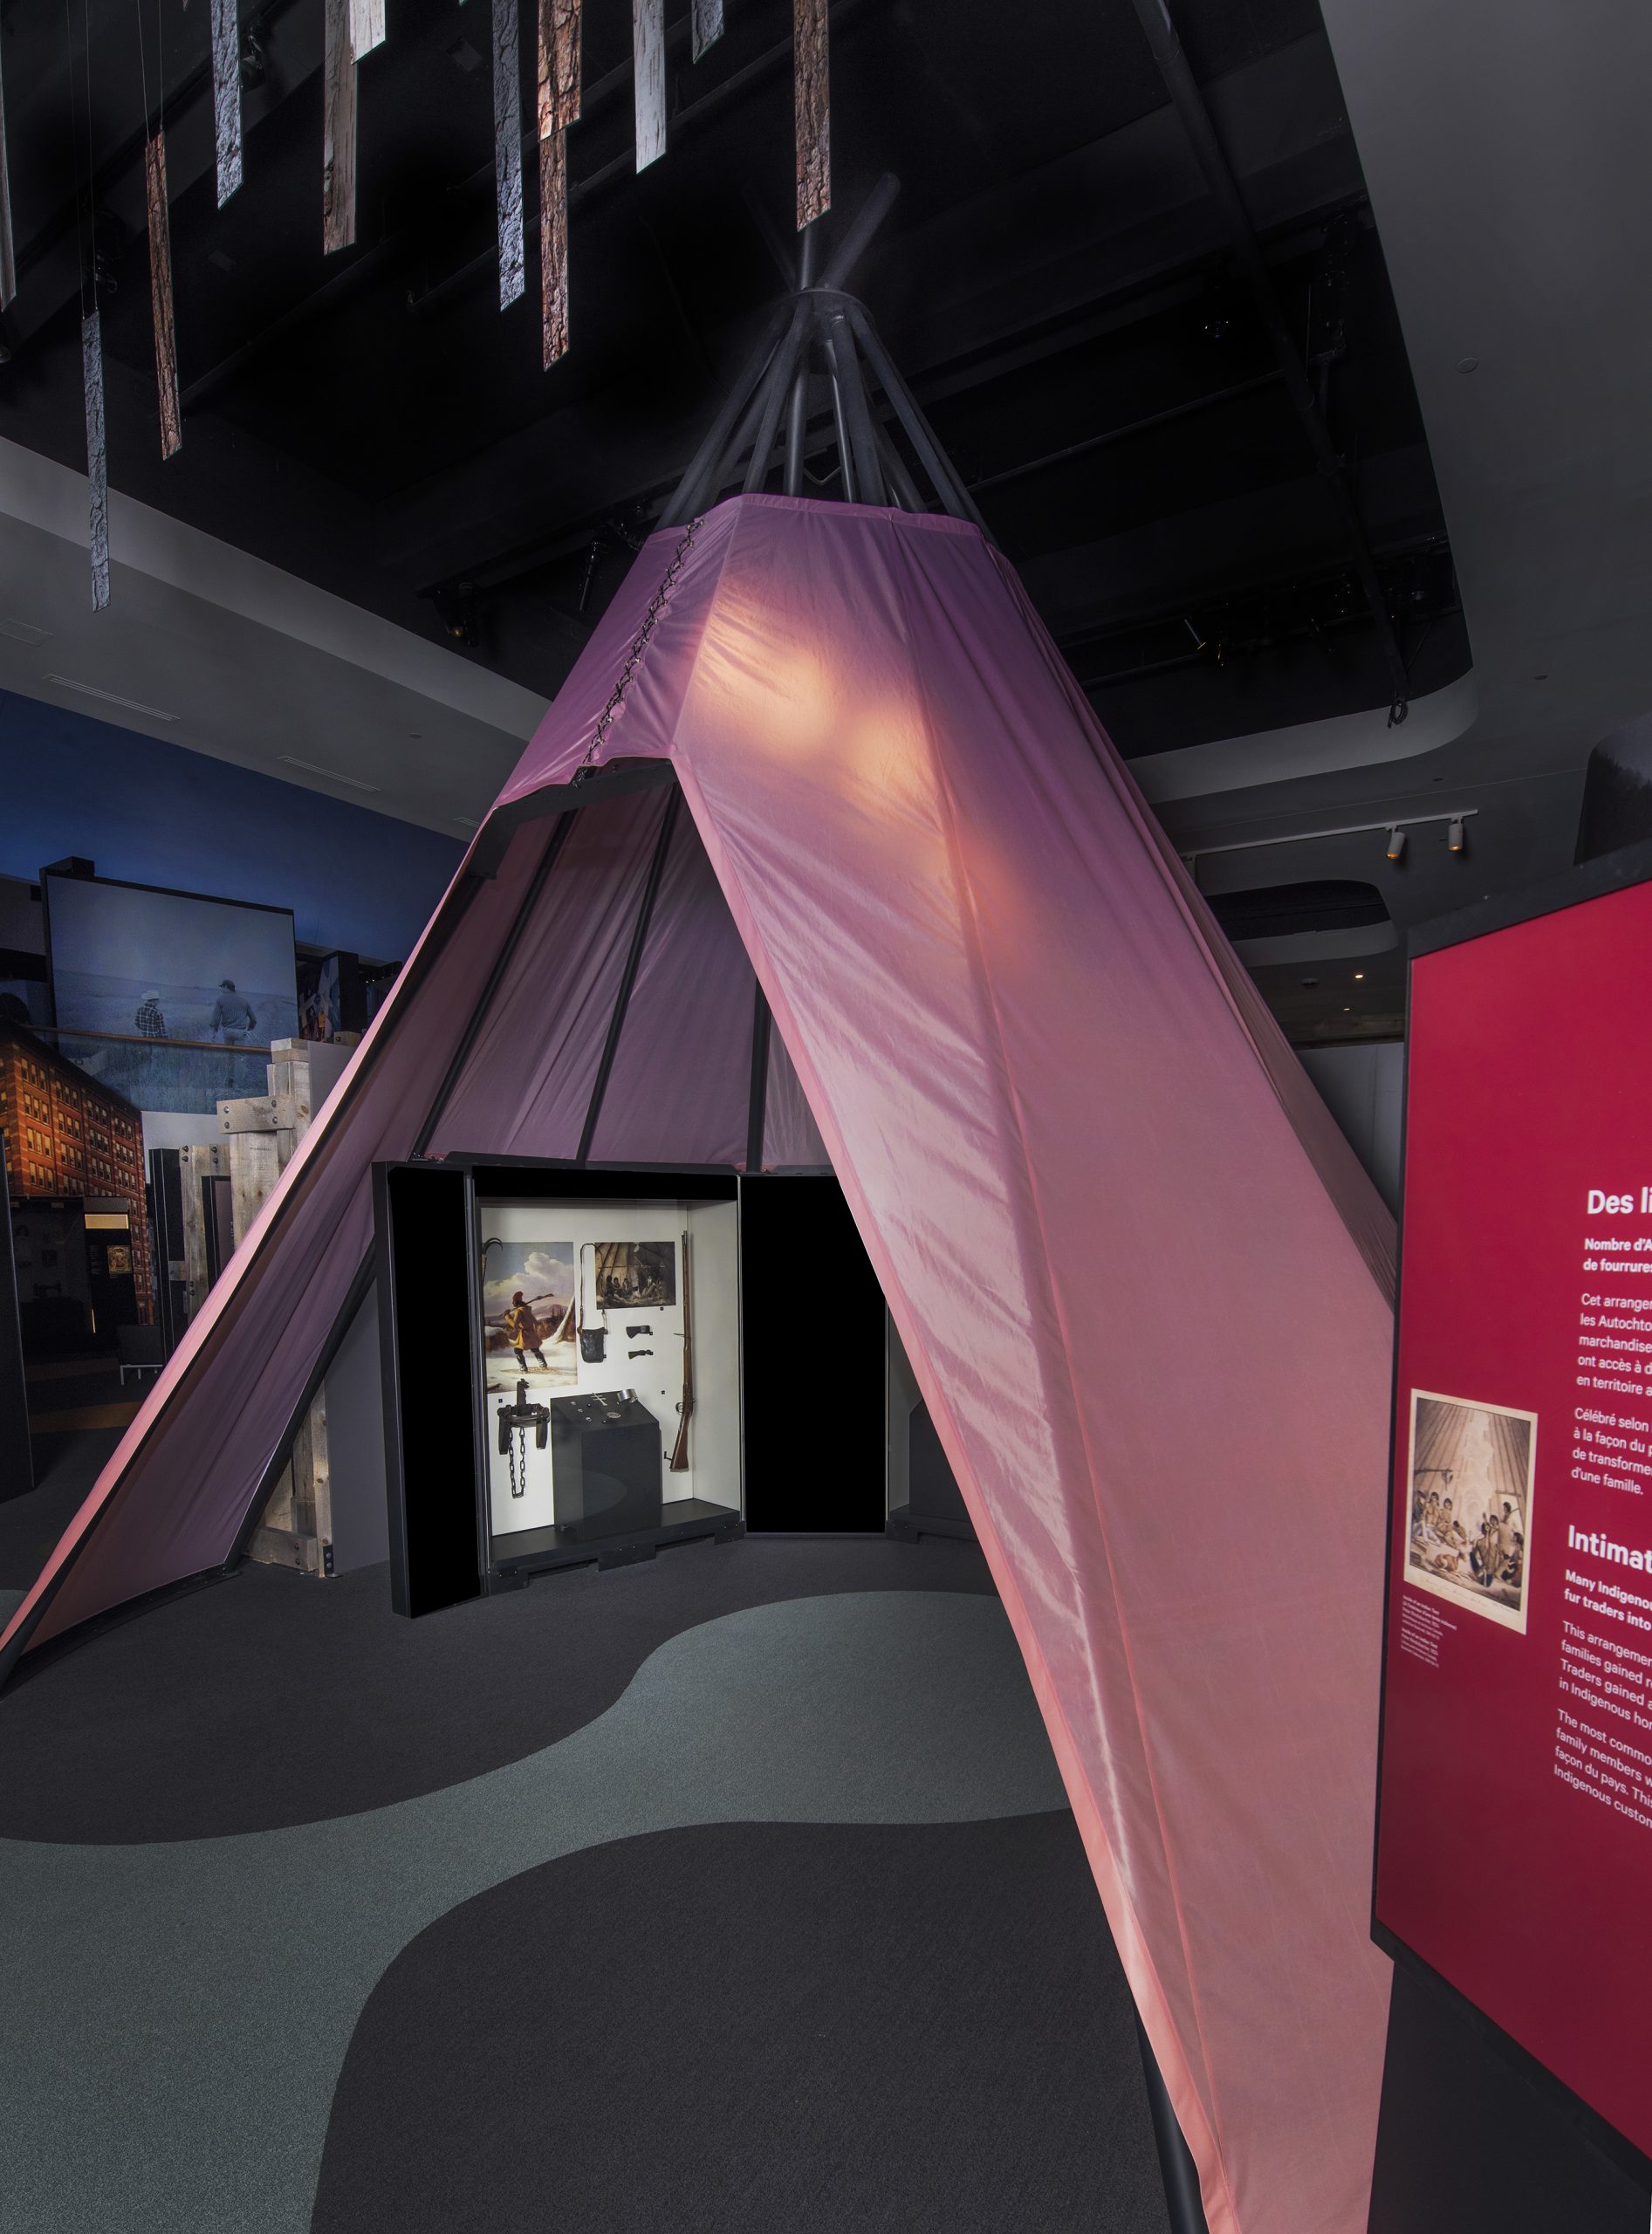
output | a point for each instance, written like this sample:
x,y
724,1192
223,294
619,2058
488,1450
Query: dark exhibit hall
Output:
x,y
824,848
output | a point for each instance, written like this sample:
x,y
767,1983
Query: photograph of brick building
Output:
x,y
69,1138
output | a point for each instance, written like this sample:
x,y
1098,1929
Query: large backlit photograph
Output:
x,y
131,962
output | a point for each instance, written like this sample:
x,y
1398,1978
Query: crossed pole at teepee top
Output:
x,y
821,321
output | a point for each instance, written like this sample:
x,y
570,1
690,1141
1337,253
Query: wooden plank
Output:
x,y
255,1112
367,26
707,25
318,1488
554,247
647,55
339,131
8,249
304,1508
813,107
292,1112
277,1512
255,1166
166,342
280,1547
96,457
507,150
226,95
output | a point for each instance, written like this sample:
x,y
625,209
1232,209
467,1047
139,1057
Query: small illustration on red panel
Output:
x,y
1470,1531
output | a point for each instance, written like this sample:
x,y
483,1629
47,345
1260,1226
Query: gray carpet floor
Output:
x,y
780,1818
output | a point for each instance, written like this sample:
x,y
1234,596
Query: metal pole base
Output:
x,y
1181,2199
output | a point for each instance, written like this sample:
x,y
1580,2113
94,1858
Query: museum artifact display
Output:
x,y
858,885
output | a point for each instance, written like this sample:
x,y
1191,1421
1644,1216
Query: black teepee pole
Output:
x,y
758,1107
622,1000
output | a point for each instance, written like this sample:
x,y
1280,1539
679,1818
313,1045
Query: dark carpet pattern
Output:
x,y
748,2027
66,1466
273,1699
727,1892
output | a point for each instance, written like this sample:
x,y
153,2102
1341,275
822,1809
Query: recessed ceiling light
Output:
x,y
1357,975
24,632
110,698
333,775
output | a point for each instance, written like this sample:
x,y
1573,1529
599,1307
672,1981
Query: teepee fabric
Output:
x,y
1142,1282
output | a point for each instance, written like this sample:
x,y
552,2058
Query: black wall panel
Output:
x,y
1467,2144
430,1450
17,1462
814,1376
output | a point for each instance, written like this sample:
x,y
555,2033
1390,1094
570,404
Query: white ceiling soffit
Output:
x,y
209,647
1505,147
1233,763
1318,946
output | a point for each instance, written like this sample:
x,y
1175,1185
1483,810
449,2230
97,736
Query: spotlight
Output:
x,y
459,608
1359,976
1454,835
1396,845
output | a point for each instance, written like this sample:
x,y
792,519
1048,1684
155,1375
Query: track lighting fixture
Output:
x,y
1454,835
1396,845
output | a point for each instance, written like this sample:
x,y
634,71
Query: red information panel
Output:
x,y
1515,1844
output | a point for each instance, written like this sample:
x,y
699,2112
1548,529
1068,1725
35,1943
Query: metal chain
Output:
x,y
519,1441
633,657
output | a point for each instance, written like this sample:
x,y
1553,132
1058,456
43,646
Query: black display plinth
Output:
x,y
1467,2144
605,1460
536,1551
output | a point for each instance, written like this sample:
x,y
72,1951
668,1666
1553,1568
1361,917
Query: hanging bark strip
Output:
x,y
553,245
559,65
339,131
812,100
165,343
559,106
226,95
647,48
507,149
367,26
96,457
8,252
707,25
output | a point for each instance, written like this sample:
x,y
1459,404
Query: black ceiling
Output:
x,y
1053,279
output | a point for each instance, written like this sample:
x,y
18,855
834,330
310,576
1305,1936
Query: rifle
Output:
x,y
680,1455
497,1318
